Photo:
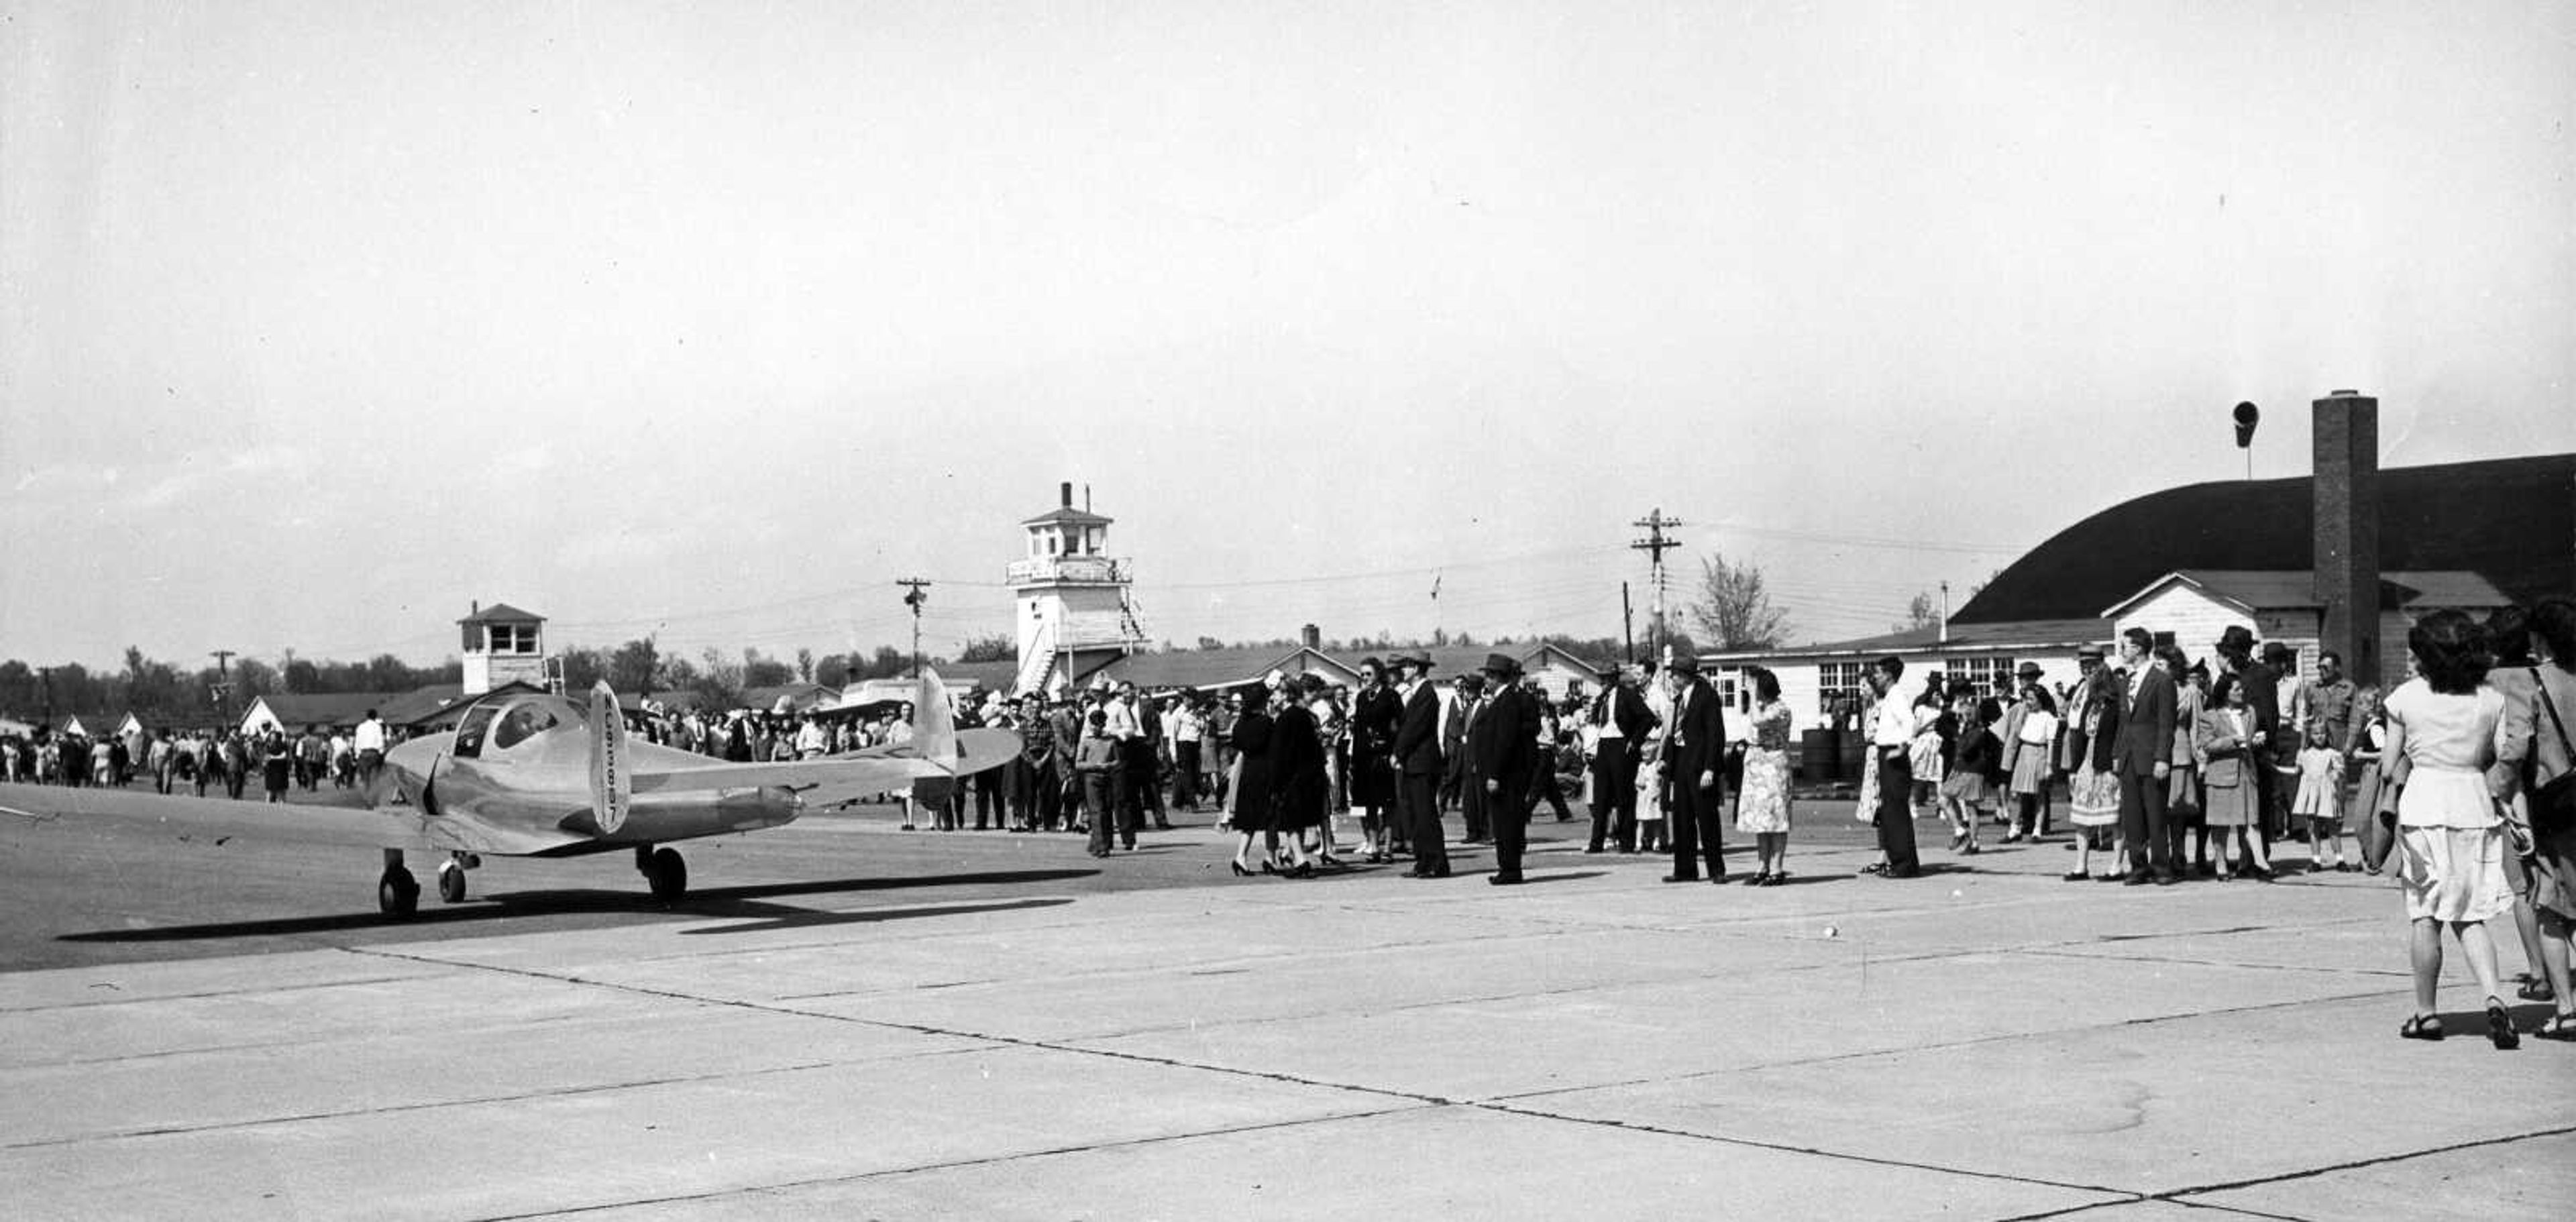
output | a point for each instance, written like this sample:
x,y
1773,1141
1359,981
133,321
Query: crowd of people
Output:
x,y
218,760
2457,783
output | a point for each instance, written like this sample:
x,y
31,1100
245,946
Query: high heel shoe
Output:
x,y
1267,867
1239,871
1303,869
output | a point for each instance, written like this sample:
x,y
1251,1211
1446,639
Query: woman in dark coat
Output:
x,y
1374,716
1251,795
1302,790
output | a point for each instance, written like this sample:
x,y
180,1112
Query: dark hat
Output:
x,y
2090,653
1685,664
2275,649
1501,664
2198,668
2237,639
1416,659
2029,670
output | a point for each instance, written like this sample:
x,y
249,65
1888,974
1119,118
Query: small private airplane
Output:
x,y
540,775
534,775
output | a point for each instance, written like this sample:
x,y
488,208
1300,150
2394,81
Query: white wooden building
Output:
x,y
2191,607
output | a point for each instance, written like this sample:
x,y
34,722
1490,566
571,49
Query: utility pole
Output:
x,y
46,673
1655,544
223,685
1627,622
917,592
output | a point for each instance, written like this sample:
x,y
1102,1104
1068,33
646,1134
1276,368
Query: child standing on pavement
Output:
x,y
2320,800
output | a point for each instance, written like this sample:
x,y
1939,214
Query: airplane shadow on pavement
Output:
x,y
741,902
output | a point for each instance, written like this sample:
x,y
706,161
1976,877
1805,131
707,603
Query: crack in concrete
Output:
x,y
2359,1164
951,1164
394,1109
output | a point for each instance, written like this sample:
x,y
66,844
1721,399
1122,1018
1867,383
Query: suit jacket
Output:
x,y
1417,736
2263,695
2145,737
1622,707
2223,752
1456,716
2009,734
1698,731
1503,742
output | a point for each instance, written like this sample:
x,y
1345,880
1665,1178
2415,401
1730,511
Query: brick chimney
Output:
x,y
1312,636
2346,439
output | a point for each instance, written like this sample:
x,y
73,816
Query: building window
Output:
x,y
1840,685
511,638
1984,676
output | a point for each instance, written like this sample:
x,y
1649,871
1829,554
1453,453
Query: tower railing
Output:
x,y
1101,569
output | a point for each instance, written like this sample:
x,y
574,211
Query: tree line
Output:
x,y
162,692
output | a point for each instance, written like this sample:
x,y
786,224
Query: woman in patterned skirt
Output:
x,y
1762,804
2094,790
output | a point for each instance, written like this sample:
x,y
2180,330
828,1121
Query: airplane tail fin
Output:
x,y
612,783
934,729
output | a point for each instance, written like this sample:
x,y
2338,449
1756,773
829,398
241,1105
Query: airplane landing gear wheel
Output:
x,y
665,873
451,882
398,893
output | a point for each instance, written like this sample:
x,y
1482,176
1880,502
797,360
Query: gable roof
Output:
x,y
296,710
2252,590
500,613
1076,517
2471,517
2030,635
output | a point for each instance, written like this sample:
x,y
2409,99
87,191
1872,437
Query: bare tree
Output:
x,y
1734,608
1921,613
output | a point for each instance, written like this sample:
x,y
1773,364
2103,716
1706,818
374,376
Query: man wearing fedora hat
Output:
x,y
1503,741
1621,720
1418,767
1697,748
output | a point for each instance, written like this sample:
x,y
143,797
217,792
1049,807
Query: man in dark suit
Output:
x,y
2141,756
1502,742
1418,766
1463,712
1622,720
1696,747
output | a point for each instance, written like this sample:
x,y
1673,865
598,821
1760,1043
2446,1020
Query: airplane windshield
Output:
x,y
471,729
523,720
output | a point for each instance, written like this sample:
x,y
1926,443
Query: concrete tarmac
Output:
x,y
1983,1042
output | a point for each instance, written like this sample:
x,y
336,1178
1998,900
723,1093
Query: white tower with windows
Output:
x,y
1070,601
503,645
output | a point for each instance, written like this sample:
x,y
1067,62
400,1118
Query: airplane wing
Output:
x,y
823,782
44,809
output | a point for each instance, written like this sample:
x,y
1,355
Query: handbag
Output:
x,y
2379,832
2553,806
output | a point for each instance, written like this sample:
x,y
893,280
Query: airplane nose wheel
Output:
x,y
451,882
664,872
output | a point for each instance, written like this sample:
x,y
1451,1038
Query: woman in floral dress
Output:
x,y
1762,806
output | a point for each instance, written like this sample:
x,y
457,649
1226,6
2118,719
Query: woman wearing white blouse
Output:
x,y
2442,732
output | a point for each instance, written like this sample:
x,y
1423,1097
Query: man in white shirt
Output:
x,y
1891,734
1185,729
370,745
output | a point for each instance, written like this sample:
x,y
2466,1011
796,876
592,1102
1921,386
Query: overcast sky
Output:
x,y
320,321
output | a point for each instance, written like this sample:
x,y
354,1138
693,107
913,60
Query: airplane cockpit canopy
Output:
x,y
500,725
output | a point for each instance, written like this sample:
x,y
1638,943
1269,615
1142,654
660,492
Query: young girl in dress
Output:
x,y
2320,801
1926,752
1966,788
